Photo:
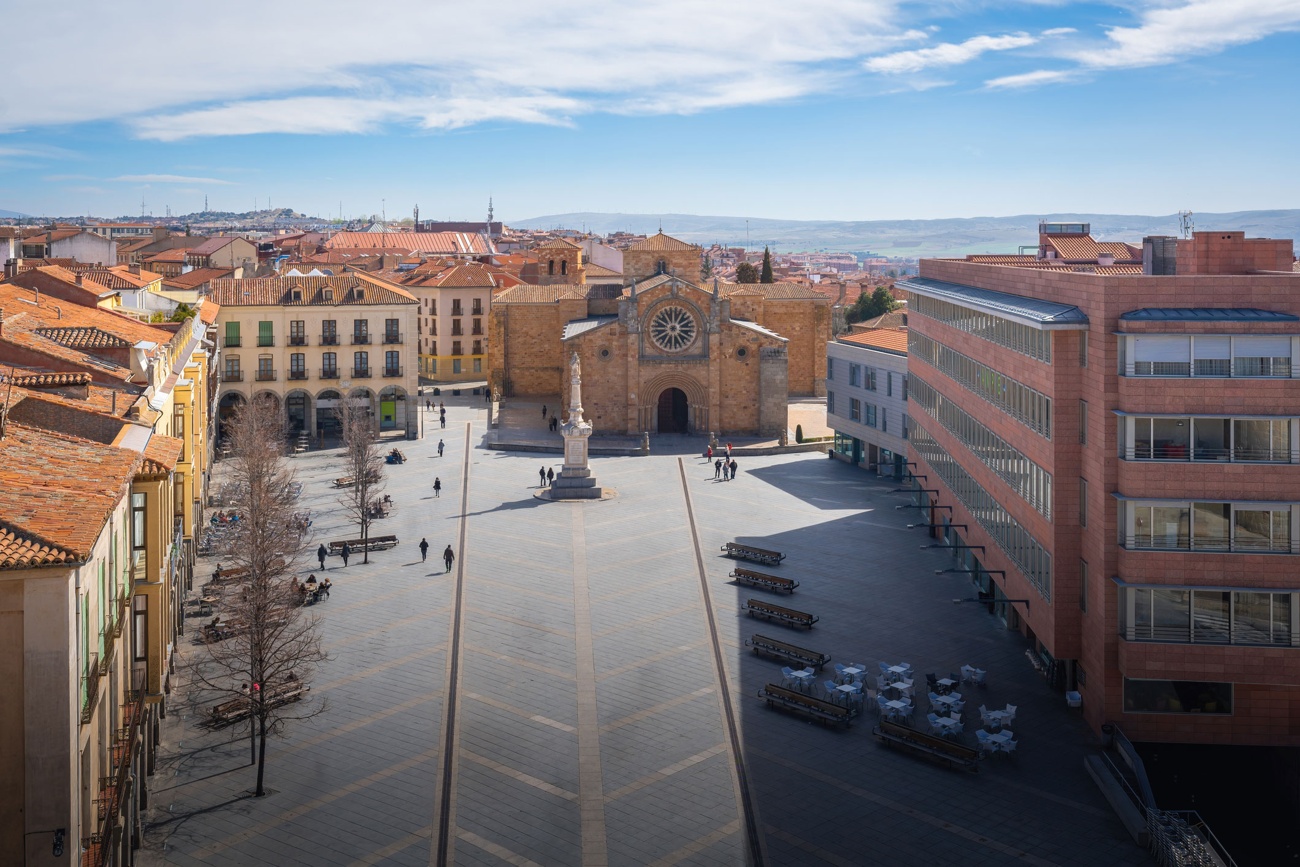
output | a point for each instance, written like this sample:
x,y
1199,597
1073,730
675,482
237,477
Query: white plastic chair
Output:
x,y
829,686
984,714
967,674
935,728
985,745
787,676
981,677
839,669
1010,717
1009,746
882,683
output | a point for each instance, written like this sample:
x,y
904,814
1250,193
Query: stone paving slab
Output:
x,y
589,725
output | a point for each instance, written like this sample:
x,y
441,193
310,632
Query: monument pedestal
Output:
x,y
575,481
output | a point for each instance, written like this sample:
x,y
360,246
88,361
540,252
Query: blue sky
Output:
x,y
838,109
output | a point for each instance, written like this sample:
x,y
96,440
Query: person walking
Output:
x,y
541,477
728,451
320,555
441,446
346,553
437,486
732,466
717,469
424,550
442,418
550,475
448,557
543,410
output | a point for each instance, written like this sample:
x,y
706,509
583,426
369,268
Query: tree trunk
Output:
x,y
261,752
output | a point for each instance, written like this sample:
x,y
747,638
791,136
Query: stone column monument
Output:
x,y
575,481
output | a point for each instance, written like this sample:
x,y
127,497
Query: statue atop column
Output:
x,y
575,481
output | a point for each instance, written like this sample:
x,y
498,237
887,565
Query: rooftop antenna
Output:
x,y
205,201
489,211
142,206
1185,223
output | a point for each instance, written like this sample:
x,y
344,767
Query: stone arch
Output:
x,y
227,405
299,410
697,401
327,412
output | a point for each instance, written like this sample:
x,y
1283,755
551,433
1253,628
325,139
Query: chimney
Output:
x,y
58,311
1105,259
81,279
134,269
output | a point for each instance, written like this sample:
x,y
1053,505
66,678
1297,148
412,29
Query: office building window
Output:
x,y
1083,586
869,419
830,403
1016,399
1206,438
1083,502
1083,422
855,374
855,409
1177,696
1013,335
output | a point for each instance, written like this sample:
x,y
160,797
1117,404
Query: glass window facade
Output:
x,y
1207,438
1030,407
1206,355
1013,335
1209,526
1029,555
1025,477
1176,696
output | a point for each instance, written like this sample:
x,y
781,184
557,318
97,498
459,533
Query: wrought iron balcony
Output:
x,y
265,375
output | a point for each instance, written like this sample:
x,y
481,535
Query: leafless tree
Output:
x,y
263,647
364,464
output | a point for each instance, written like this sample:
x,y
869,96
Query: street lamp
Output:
x,y
954,547
918,506
932,526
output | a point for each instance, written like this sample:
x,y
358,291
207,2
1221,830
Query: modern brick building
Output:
x,y
1118,430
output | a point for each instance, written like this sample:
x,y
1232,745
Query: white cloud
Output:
x,y
438,66
1170,33
167,179
1028,79
947,54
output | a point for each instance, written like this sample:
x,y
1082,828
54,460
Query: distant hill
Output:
x,y
946,237
13,215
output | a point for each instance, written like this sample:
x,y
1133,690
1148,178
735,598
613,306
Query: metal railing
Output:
x,y
329,340
265,375
392,371
264,340
90,688
108,806
360,339
297,374
233,341
1181,452
1208,542
297,339
229,375
392,337
329,373
360,373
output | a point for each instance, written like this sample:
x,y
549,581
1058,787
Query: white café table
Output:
x,y
845,690
803,678
946,682
948,724
946,700
1001,738
897,671
995,717
851,672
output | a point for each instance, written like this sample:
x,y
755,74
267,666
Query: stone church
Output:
x,y
662,350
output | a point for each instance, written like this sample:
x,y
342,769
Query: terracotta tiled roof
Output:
x,y
193,279
49,380
594,270
559,244
120,277
662,242
83,338
55,278
47,236
527,293
1083,247
1002,260
212,245
161,455
56,492
892,340
462,243
770,290
460,275
278,291
176,254
208,311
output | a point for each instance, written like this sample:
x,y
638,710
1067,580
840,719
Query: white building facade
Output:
x,y
866,399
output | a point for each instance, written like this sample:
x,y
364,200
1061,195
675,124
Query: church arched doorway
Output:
x,y
674,415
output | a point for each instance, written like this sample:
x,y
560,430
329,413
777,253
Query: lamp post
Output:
x,y
932,526
992,601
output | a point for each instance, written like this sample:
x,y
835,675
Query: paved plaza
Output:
x,y
576,691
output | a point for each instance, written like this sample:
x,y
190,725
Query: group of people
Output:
x,y
724,469
442,411
545,475
225,518
448,556
310,591
396,457
378,509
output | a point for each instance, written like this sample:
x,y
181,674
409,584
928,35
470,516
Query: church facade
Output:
x,y
661,350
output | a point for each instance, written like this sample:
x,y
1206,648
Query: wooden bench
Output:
x,y
763,581
788,616
770,647
225,576
737,551
374,543
238,708
933,747
813,708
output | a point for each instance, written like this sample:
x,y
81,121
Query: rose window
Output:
x,y
673,329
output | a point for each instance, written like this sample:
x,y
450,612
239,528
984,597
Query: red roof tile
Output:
x,y
879,338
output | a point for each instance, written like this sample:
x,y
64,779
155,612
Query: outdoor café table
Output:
x,y
948,725
1001,738
945,684
896,705
898,687
993,719
845,690
946,700
803,678
897,671
851,672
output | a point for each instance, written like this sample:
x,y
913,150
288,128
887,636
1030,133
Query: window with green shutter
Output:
x,y
232,333
265,334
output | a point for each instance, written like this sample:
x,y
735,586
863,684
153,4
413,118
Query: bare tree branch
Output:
x,y
264,647
364,465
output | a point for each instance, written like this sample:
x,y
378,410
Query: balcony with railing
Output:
x,y
265,374
297,339
360,373
392,371
232,340
89,688
477,309
232,375
266,340
329,339
297,374
456,309
108,800
360,338
477,328
456,330
392,337
329,373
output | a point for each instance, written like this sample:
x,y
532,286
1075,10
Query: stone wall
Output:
x,y
644,264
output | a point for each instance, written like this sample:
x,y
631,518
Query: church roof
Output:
x,y
754,326
661,242
559,244
594,270
582,326
773,291
527,293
